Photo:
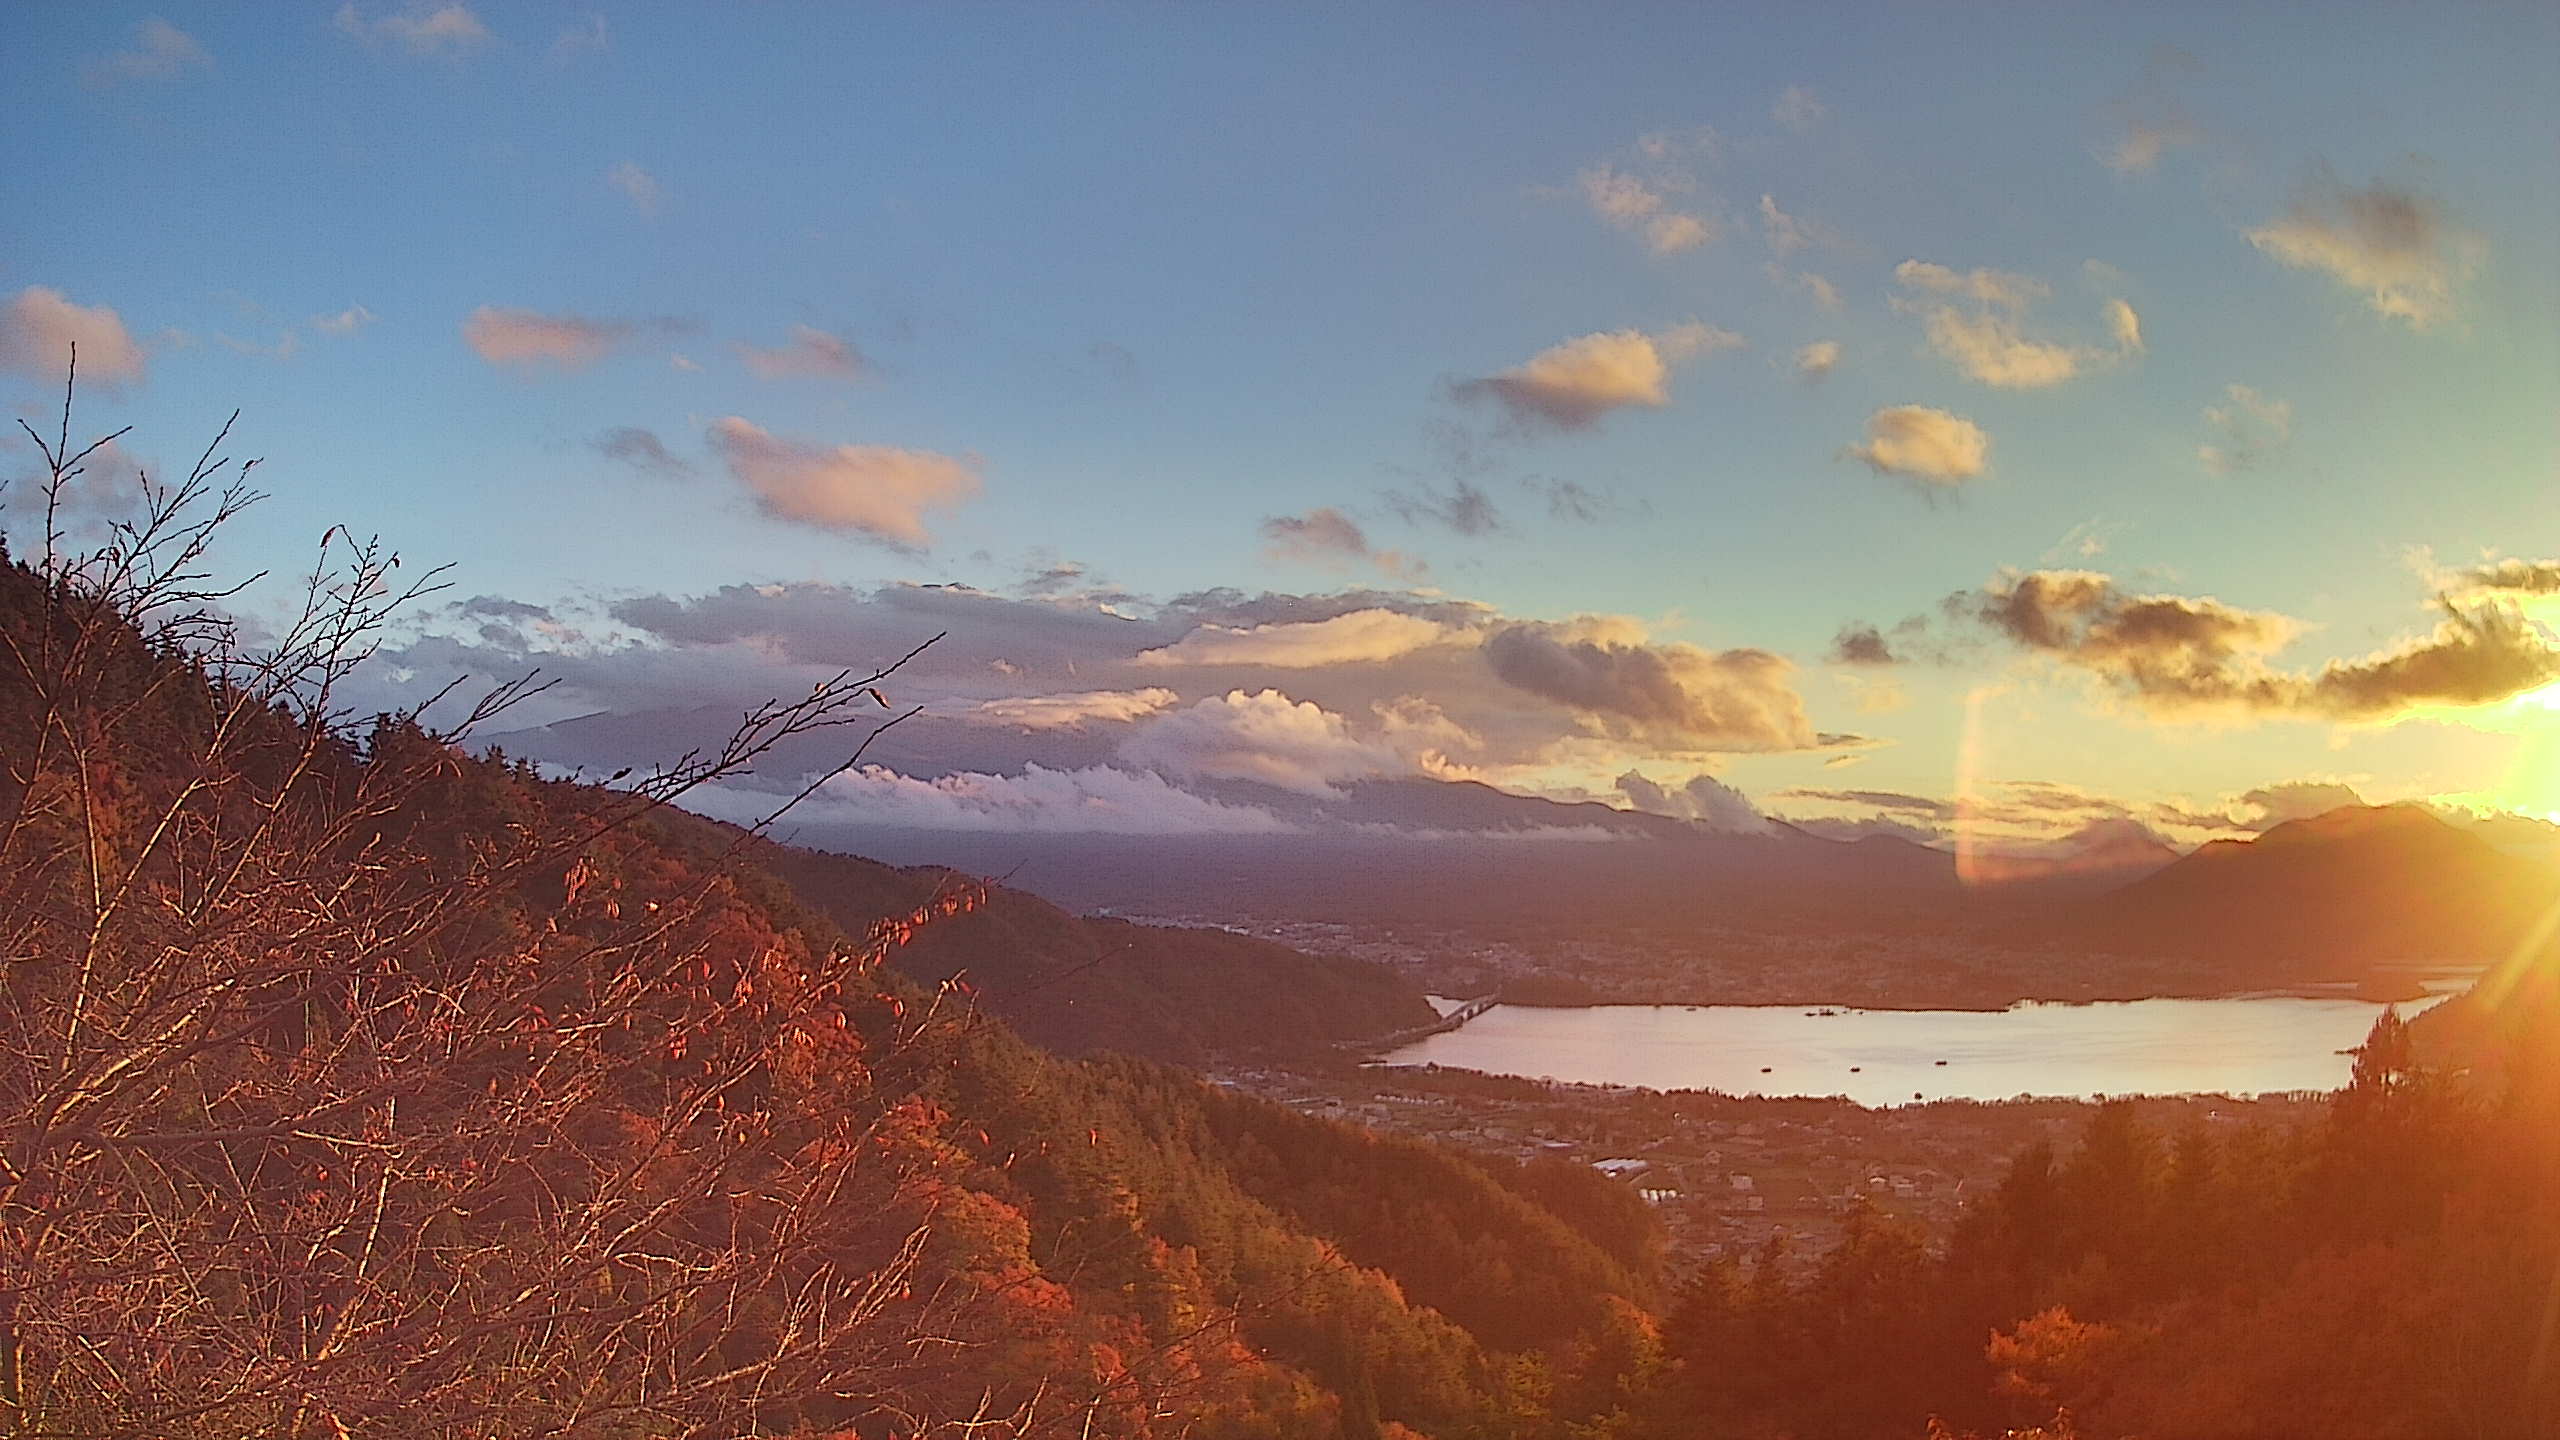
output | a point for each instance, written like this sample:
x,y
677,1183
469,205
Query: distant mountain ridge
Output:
x,y
2330,895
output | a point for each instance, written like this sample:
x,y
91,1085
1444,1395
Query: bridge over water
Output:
x,y
1451,1021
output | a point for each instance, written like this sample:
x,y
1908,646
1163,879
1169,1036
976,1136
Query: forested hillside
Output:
x,y
1078,984
355,1085
2391,1272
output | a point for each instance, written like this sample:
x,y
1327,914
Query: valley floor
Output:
x,y
1727,1175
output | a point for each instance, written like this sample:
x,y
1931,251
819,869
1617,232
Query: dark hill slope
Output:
x,y
2329,896
1079,985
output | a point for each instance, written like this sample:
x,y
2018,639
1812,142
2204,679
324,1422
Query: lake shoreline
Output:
x,y
2254,1043
1977,1005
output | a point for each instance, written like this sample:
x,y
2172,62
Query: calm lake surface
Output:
x,y
2240,1046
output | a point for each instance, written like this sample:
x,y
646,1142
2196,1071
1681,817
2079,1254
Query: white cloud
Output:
x,y
1091,800
1571,385
2247,428
344,322
810,353
39,327
1077,710
528,339
1923,444
420,30
2124,327
161,51
2391,244
1990,349
876,491
1348,639
1266,737
1817,360
643,189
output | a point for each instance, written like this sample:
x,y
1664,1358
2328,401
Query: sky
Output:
x,y
1858,414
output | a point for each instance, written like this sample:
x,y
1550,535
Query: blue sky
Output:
x,y
1152,277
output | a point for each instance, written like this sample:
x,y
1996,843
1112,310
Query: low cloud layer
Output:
x,y
1703,801
878,492
2391,245
1572,385
1359,637
1263,736
1079,710
1040,801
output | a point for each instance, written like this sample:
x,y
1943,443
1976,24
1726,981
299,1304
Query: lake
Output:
x,y
2233,1046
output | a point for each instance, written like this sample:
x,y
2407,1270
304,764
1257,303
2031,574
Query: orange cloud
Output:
x,y
876,491
1926,445
528,339
39,327
1571,385
811,353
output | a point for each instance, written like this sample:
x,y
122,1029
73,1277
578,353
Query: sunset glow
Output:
x,y
1006,720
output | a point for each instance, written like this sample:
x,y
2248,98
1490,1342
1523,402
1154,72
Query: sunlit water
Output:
x,y
2247,1046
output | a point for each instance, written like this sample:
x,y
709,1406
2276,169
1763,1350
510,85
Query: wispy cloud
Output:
x,y
1644,209
344,322
420,30
1986,338
530,339
2246,429
1798,110
810,353
641,188
161,51
642,450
